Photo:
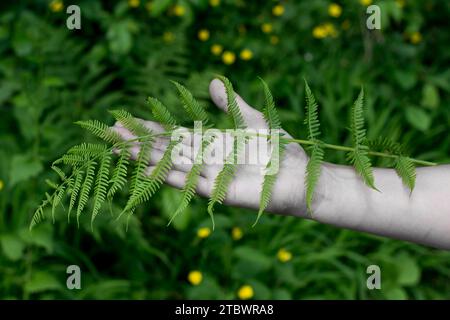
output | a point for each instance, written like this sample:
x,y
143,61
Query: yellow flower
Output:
x,y
149,6
266,28
415,37
203,34
330,29
168,37
245,292
365,2
400,3
203,232
195,277
179,10
319,32
246,54
284,255
216,49
134,3
236,233
1,185
346,24
56,5
278,10
274,40
228,57
214,3
334,10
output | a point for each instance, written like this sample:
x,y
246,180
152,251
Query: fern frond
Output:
x,y
359,156
129,122
74,192
225,177
148,187
195,111
140,166
233,108
161,113
313,169
86,188
270,179
406,171
119,175
101,130
312,116
57,198
192,179
269,111
101,185
38,215
60,173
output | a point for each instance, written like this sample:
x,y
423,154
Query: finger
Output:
x,y
252,117
177,179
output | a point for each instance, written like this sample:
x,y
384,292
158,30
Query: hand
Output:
x,y
244,191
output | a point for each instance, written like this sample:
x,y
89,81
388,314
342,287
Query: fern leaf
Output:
x,y
191,105
57,198
38,215
119,175
161,113
101,185
86,188
359,156
406,171
191,180
129,122
313,169
224,178
383,144
148,187
269,180
269,111
101,130
233,108
312,117
74,192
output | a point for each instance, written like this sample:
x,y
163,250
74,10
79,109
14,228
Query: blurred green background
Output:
x,y
126,50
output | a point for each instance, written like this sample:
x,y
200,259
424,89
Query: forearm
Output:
x,y
422,217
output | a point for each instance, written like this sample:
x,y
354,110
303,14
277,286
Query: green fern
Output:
x,y
85,169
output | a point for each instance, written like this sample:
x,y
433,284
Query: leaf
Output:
x,y
101,185
191,105
313,169
406,171
86,188
312,116
42,281
418,118
161,113
430,96
233,108
12,246
24,167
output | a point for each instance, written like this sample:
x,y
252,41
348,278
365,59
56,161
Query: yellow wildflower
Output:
x,y
168,37
278,10
203,35
203,232
246,54
228,57
214,3
1,185
134,3
195,277
274,40
330,29
416,37
284,255
365,2
334,10
400,3
266,28
56,5
236,233
245,292
179,10
216,49
319,32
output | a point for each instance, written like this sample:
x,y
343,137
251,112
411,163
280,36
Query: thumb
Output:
x,y
252,117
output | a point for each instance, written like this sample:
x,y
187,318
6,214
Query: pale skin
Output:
x,y
341,198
